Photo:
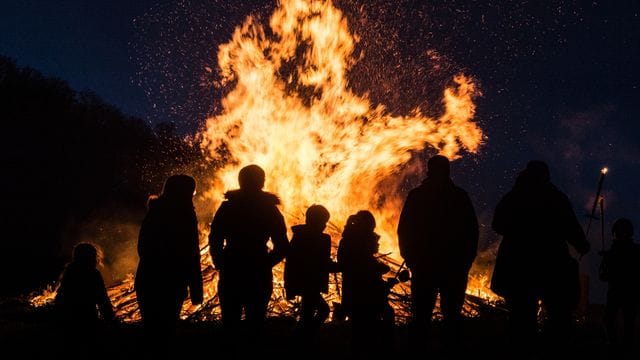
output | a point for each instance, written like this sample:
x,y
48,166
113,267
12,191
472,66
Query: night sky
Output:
x,y
559,79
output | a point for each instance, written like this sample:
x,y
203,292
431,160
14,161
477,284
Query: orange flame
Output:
x,y
317,140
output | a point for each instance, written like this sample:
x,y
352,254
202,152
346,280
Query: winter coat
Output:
x,y
240,231
81,294
169,251
308,262
362,282
438,228
620,268
537,223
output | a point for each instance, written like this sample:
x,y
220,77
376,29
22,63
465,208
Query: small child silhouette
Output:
x,y
364,291
620,269
307,269
82,291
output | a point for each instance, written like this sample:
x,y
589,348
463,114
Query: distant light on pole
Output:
x,y
599,199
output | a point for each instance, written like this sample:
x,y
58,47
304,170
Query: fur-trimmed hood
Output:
x,y
263,197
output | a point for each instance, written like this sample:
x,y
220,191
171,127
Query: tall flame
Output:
x,y
291,112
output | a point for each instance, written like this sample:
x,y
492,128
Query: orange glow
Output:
x,y
335,148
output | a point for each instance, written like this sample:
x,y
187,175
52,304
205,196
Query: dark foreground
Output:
x,y
30,333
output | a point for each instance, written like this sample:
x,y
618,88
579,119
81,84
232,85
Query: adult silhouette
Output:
x,y
438,238
169,252
537,221
364,291
620,268
240,231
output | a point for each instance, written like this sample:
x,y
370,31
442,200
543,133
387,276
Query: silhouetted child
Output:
x,y
364,291
620,267
82,298
307,268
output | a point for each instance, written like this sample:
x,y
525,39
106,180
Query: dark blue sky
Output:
x,y
560,79
86,43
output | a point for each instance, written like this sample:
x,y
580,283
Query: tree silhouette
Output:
x,y
70,156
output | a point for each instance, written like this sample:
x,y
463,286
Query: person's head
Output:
x,y
622,229
536,172
86,254
359,223
366,223
365,220
438,167
251,177
317,217
179,187
359,227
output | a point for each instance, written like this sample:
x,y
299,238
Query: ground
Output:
x,y
31,333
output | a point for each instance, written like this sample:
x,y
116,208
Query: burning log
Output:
x,y
124,299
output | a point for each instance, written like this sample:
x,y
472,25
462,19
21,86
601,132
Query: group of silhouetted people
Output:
x,y
438,240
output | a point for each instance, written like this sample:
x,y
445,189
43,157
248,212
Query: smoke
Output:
x,y
115,232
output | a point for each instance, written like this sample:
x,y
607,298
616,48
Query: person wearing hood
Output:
x,y
365,292
438,239
241,229
169,251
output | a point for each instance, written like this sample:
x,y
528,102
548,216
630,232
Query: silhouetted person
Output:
x,y
533,262
82,298
438,238
364,291
620,268
169,266
307,268
240,231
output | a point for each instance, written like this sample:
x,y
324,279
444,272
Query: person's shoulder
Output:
x,y
232,195
299,231
270,198
260,197
94,273
554,191
459,189
459,192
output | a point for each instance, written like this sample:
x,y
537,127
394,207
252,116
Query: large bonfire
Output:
x,y
291,111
